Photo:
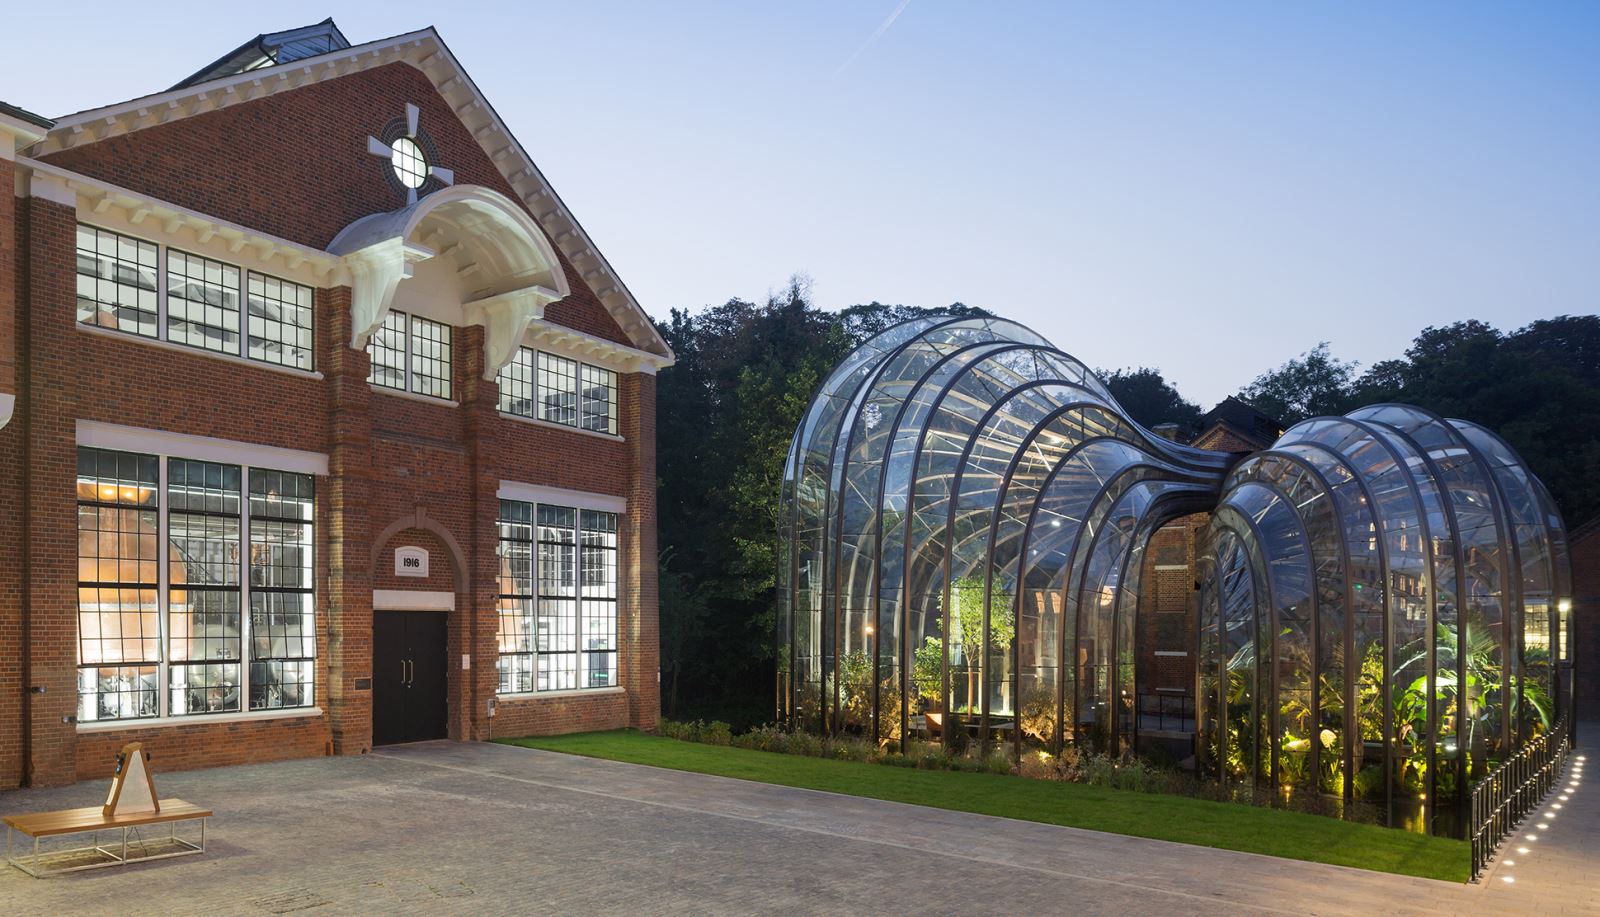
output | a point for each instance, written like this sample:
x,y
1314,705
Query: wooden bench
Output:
x,y
93,820
124,812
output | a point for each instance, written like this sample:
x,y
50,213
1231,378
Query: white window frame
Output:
x,y
614,418
578,501
163,253
93,435
406,362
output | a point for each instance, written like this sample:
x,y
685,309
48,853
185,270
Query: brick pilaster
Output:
x,y
477,607
638,624
11,687
349,603
48,415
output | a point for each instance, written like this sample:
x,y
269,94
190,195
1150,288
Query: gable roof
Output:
x,y
1244,419
427,52
273,48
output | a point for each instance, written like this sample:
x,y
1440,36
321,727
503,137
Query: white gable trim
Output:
x,y
426,51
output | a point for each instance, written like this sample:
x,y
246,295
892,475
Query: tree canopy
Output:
x,y
725,415
1149,398
1538,386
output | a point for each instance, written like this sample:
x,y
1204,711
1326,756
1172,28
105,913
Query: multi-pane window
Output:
x,y
411,353
117,278
558,598
515,603
283,639
430,357
202,302
119,626
191,637
597,580
386,350
559,390
203,619
516,384
119,287
280,321
556,614
597,404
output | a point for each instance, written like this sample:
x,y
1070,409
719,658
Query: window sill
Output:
x,y
289,713
413,396
570,692
115,335
551,425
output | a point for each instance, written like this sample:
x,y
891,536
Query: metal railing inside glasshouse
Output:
x,y
965,512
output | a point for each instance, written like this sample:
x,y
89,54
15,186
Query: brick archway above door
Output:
x,y
420,520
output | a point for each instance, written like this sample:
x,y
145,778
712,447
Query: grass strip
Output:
x,y
1228,826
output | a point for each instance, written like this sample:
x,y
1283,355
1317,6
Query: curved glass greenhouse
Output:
x,y
965,513
1380,596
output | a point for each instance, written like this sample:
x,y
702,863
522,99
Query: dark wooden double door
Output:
x,y
408,676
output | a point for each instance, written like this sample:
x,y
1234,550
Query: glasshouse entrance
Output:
x,y
966,513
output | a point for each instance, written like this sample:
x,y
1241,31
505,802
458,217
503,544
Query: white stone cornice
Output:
x,y
596,351
16,133
375,273
99,197
51,188
505,318
8,405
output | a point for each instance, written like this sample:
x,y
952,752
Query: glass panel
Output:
x,y
516,384
516,631
386,349
598,401
556,633
204,623
430,357
281,322
282,575
202,302
119,642
558,389
116,281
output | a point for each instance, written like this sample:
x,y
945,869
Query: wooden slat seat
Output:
x,y
92,818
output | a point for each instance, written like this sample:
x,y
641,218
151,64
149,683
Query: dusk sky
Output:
x,y
1203,188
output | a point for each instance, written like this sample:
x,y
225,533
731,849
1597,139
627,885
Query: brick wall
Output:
x,y
401,471
296,165
12,697
1168,605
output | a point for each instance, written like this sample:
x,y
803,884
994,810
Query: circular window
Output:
x,y
410,165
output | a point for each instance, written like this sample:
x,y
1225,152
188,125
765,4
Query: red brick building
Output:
x,y
323,424
1169,606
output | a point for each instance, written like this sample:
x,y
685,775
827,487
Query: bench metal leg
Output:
x,y
111,854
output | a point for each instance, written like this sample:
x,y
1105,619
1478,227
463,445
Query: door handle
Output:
x,y
402,673
411,671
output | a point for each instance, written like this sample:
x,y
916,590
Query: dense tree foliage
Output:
x,y
1539,387
746,372
1149,398
1314,383
725,415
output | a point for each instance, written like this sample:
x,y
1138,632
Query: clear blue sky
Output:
x,y
1206,188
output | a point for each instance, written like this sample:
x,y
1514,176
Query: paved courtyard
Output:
x,y
485,829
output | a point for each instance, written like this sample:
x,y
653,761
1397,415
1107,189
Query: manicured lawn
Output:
x,y
1168,818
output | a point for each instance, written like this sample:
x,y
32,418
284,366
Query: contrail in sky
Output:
x,y
876,34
